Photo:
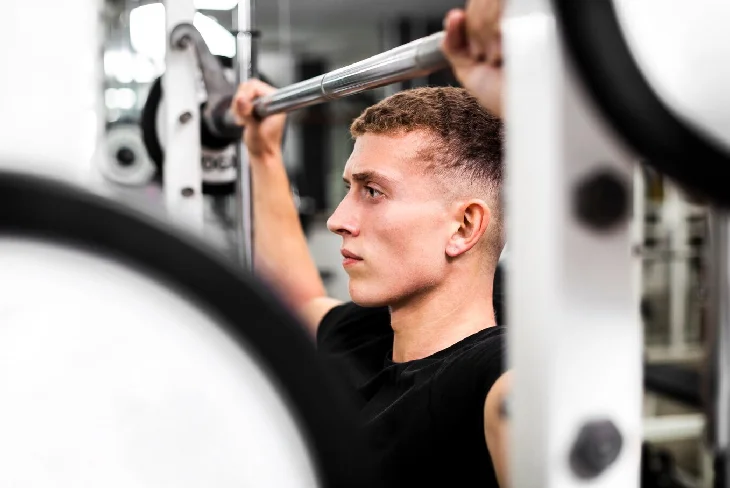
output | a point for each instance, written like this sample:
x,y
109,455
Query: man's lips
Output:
x,y
350,255
350,258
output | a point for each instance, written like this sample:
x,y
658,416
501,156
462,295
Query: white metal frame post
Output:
x,y
575,340
675,219
638,230
717,367
245,69
50,129
183,171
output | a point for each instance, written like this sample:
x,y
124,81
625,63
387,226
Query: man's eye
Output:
x,y
373,192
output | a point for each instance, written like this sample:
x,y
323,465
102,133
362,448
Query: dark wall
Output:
x,y
315,141
410,29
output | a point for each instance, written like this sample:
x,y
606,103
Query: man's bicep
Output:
x,y
495,427
312,312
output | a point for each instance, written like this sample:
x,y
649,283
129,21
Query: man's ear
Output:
x,y
472,219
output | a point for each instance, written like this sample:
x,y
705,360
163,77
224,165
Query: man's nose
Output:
x,y
342,221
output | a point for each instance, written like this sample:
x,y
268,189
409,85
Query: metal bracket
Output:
x,y
220,90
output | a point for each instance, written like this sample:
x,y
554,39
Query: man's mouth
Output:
x,y
350,258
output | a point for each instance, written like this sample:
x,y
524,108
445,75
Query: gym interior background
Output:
x,y
298,40
303,38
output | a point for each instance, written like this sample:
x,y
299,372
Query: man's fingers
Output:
x,y
494,51
483,20
483,29
260,88
242,104
477,51
454,43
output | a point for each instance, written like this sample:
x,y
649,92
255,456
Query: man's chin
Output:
x,y
369,303
361,296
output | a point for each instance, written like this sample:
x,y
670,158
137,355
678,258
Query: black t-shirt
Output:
x,y
424,419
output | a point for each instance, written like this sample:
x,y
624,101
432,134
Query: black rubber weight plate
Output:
x,y
594,39
55,212
151,138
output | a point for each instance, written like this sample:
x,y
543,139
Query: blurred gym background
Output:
x,y
298,40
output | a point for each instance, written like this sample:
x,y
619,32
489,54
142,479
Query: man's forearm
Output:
x,y
281,254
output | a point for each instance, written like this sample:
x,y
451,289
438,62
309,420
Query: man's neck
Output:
x,y
441,318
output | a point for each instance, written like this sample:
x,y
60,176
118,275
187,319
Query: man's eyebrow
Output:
x,y
369,175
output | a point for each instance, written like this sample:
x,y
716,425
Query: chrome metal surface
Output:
x,y
415,59
292,97
245,64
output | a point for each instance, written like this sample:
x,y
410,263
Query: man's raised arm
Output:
x,y
281,254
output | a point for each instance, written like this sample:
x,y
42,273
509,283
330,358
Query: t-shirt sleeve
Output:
x,y
348,326
354,341
463,386
483,365
489,361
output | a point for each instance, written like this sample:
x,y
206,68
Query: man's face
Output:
x,y
394,221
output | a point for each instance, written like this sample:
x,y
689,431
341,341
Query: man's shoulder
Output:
x,y
478,363
460,387
483,346
350,323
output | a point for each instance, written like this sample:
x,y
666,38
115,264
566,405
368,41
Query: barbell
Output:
x,y
606,42
412,60
219,131
595,40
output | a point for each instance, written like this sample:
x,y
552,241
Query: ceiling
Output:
x,y
341,30
331,26
319,12
352,11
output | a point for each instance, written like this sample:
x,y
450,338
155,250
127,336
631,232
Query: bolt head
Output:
x,y
596,447
601,200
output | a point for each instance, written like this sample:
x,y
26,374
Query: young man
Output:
x,y
422,231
